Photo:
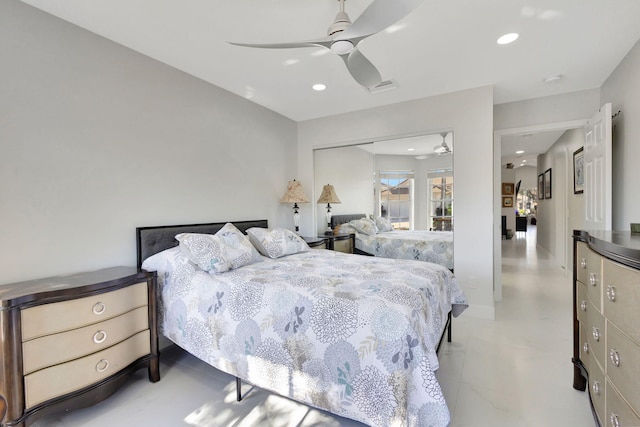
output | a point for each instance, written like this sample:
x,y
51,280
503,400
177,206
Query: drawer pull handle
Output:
x,y
596,387
596,334
102,365
593,279
583,263
583,305
611,293
614,356
585,347
99,308
615,422
99,337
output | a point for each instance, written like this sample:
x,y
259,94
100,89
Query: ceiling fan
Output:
x,y
343,36
443,148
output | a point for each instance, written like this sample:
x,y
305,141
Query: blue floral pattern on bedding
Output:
x,y
352,335
421,245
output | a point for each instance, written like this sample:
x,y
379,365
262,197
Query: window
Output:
x,y
441,200
396,198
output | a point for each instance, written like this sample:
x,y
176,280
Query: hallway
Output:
x,y
517,371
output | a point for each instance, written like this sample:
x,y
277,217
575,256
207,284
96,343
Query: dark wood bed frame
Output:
x,y
154,239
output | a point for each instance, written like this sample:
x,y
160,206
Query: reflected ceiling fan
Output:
x,y
443,148
343,36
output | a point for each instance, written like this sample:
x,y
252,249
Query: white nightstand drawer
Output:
x,y
71,314
58,380
621,297
58,348
623,365
582,302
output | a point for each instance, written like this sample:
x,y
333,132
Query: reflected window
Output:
x,y
440,186
396,198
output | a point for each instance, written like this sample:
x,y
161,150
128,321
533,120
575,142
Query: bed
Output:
x,y
361,345
421,245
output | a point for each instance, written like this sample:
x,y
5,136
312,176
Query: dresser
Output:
x,y
606,324
68,342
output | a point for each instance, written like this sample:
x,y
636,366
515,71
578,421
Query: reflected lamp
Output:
x,y
328,196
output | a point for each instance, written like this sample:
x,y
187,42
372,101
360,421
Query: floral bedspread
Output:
x,y
422,245
349,334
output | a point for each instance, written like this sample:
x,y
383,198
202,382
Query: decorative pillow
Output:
x,y
276,243
226,250
207,251
236,239
364,226
345,228
383,224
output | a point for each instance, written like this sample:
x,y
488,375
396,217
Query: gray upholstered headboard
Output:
x,y
343,219
151,240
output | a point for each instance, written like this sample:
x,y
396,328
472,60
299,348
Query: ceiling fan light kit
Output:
x,y
344,37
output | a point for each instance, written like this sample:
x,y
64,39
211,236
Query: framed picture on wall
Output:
x,y
541,186
507,188
507,201
578,171
547,184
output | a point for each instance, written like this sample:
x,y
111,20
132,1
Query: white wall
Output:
x,y
350,171
469,114
529,177
96,140
622,90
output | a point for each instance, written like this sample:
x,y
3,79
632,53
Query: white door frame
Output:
x,y
497,189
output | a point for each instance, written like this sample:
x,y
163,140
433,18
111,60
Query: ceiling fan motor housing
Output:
x,y
341,23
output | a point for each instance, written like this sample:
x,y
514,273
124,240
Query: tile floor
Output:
x,y
514,371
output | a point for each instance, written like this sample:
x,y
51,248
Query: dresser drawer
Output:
x,y
623,365
621,288
582,302
585,353
63,316
597,385
58,380
58,348
594,329
589,271
618,412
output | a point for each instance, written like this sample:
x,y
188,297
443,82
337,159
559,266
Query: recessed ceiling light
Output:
x,y
291,61
394,28
524,161
519,151
552,79
508,38
411,149
319,87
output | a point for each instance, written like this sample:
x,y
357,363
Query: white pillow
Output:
x,y
276,243
383,224
364,226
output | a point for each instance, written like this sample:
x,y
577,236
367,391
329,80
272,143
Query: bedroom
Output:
x,y
81,179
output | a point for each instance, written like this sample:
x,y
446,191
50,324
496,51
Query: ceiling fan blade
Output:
x,y
362,70
379,15
325,42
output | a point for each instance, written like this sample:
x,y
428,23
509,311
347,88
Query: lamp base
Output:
x,y
328,233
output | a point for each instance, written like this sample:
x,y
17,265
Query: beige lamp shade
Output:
x,y
328,195
294,193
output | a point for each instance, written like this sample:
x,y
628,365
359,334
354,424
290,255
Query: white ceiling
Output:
x,y
442,46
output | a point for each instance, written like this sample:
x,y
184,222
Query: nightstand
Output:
x,y
68,342
316,242
341,242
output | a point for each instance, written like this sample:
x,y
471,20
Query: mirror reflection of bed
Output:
x,y
406,181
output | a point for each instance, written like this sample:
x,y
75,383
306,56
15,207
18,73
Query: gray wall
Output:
x,y
622,90
96,139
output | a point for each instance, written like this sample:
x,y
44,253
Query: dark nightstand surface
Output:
x,y
347,242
